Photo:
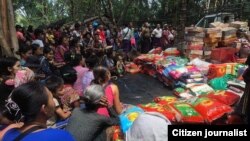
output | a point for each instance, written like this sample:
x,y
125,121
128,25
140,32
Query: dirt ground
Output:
x,y
140,88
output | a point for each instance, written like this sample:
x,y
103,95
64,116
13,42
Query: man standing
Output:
x,y
145,35
157,34
126,36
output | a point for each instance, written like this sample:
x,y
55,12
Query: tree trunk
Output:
x,y
72,9
124,12
183,17
8,39
111,11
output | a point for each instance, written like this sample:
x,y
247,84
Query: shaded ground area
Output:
x,y
140,88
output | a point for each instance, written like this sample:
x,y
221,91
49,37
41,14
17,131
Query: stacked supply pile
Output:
x,y
194,40
213,36
218,25
240,25
228,36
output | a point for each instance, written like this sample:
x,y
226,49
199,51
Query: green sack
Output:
x,y
220,83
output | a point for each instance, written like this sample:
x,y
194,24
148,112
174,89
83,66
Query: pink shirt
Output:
x,y
110,97
20,36
87,79
59,57
78,86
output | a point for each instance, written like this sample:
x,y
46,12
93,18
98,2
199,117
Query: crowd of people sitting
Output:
x,y
63,80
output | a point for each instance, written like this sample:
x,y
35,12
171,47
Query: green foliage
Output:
x,y
41,12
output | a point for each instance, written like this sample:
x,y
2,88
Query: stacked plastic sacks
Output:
x,y
129,116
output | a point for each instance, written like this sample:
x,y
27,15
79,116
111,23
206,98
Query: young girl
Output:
x,y
47,62
89,75
37,51
102,77
55,85
78,62
8,68
12,74
70,98
120,66
24,52
61,49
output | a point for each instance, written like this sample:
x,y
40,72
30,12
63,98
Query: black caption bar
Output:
x,y
207,132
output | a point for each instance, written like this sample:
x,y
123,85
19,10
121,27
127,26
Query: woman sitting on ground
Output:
x,y
33,104
55,85
86,124
102,77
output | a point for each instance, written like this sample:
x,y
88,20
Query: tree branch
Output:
x,y
124,11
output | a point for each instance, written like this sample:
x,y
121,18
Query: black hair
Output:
x,y
92,61
5,93
30,97
75,59
53,83
30,28
6,63
24,49
86,34
32,62
74,42
67,56
34,47
46,50
61,39
38,32
18,27
100,75
77,25
68,74
248,60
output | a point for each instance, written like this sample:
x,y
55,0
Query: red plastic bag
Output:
x,y
132,68
118,135
157,50
211,109
163,109
226,97
216,70
165,100
186,113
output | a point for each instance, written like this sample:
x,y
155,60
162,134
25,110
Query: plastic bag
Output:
x,y
178,91
199,63
165,100
171,51
129,116
185,113
168,69
226,97
132,68
221,82
211,109
201,89
155,51
163,109
118,135
216,71
178,72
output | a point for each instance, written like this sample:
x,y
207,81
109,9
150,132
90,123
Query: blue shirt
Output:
x,y
43,135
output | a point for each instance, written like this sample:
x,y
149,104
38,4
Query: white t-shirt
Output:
x,y
157,33
126,33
